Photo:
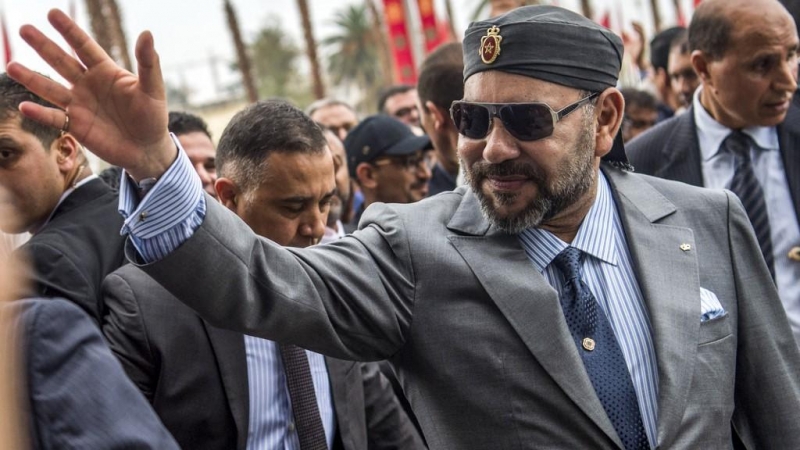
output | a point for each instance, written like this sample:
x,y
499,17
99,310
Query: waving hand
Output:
x,y
119,116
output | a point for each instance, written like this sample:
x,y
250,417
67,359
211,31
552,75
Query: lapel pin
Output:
x,y
686,247
794,254
588,344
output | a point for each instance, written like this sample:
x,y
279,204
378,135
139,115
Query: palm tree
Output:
x,y
118,34
656,15
241,53
354,52
311,49
379,33
586,9
99,25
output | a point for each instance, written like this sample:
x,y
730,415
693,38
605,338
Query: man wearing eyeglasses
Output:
x,y
400,102
388,161
557,301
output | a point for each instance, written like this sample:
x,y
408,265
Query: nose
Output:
x,y
787,76
500,145
313,224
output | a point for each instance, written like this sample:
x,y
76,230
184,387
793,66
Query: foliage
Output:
x,y
275,60
354,52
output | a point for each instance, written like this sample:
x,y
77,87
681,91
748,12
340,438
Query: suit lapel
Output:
x,y
337,374
681,154
668,278
529,304
231,358
789,135
81,196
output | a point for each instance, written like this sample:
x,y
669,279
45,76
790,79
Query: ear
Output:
x,y
700,63
66,151
441,117
609,112
366,175
227,193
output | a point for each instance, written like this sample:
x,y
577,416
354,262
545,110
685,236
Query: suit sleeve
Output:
x,y
124,330
54,274
80,397
351,299
388,425
767,389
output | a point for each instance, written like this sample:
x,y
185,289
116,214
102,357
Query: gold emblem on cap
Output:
x,y
588,344
794,254
686,247
365,150
490,45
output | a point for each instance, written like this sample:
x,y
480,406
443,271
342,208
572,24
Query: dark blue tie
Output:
x,y
600,352
746,186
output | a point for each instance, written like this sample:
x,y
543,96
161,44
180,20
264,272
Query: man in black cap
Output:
x,y
555,302
388,161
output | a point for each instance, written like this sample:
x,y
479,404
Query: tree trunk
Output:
x,y
448,9
99,25
241,53
118,34
586,8
384,51
311,49
656,15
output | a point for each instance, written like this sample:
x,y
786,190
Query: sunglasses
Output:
x,y
524,121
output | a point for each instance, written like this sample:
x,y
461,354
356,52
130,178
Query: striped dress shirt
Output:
x,y
166,217
608,272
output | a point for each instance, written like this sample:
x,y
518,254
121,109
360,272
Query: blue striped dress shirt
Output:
x,y
608,272
166,217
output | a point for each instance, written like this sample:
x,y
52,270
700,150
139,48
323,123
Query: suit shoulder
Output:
x,y
436,209
685,195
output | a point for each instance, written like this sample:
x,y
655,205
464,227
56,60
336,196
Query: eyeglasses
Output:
x,y
411,162
525,121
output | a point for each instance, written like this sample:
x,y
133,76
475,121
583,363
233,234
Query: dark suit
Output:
x,y
195,375
77,394
671,150
77,248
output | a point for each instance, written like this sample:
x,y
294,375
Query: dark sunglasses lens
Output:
x,y
527,122
471,120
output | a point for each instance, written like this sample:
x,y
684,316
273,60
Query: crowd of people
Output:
x,y
513,253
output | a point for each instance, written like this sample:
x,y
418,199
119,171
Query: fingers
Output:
x,y
51,117
85,47
150,77
53,54
40,85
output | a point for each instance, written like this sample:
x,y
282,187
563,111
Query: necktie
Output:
x,y
746,186
304,402
600,352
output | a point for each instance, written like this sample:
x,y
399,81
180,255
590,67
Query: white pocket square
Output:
x,y
710,307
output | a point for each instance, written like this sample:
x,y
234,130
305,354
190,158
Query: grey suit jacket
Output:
x,y
77,395
195,374
671,150
477,333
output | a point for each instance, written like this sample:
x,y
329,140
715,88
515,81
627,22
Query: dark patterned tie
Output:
x,y
600,352
304,402
746,186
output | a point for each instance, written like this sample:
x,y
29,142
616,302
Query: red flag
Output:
x,y
427,18
405,72
606,20
697,2
681,17
6,41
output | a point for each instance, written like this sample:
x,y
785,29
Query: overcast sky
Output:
x,y
189,33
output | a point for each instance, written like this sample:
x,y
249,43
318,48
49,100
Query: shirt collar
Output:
x,y
597,235
711,133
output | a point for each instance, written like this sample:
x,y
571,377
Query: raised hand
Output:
x,y
120,117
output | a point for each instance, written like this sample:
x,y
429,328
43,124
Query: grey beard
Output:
x,y
571,181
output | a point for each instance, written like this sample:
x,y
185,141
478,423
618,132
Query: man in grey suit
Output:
x,y
217,389
555,302
749,75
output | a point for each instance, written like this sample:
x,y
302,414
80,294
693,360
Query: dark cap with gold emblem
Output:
x,y
545,42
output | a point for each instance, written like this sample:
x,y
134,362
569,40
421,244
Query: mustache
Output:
x,y
482,169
